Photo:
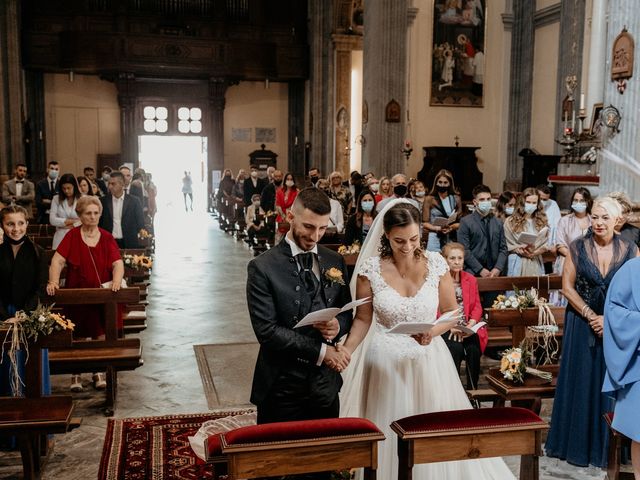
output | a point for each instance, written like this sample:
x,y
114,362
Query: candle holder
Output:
x,y
407,150
582,115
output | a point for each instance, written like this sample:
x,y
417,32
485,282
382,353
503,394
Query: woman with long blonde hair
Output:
x,y
525,259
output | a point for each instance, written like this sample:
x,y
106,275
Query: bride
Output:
x,y
394,376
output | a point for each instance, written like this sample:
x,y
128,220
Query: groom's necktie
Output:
x,y
308,277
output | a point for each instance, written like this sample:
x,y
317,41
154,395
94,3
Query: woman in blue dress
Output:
x,y
578,432
622,354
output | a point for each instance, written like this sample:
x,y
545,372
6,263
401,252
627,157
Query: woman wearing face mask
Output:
x,y
578,431
225,190
359,224
63,214
285,197
572,226
385,190
339,192
418,192
238,187
442,201
505,205
23,276
528,216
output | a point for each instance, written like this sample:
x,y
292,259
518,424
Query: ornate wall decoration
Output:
x,y
622,59
392,112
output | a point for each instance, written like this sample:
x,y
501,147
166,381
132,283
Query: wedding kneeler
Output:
x,y
467,434
289,448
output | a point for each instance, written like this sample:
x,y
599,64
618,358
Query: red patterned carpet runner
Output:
x,y
154,448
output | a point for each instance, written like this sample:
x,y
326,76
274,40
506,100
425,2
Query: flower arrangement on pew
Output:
x,y
353,249
137,262
513,364
24,327
542,335
143,234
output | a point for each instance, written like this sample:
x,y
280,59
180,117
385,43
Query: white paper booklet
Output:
x,y
471,330
443,222
327,314
527,238
417,328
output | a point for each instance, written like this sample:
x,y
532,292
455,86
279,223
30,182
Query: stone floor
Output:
x,y
196,297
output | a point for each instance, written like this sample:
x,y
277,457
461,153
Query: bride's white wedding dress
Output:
x,y
400,377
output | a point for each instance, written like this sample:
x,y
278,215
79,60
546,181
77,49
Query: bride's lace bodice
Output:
x,y
391,308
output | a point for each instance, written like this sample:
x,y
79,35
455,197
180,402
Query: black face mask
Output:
x,y
400,190
277,183
314,178
442,189
11,241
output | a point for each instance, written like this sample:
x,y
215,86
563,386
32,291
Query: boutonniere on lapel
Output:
x,y
334,275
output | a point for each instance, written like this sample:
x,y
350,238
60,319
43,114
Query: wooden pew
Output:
x,y
113,354
40,230
35,415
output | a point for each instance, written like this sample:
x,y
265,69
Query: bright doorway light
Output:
x,y
168,158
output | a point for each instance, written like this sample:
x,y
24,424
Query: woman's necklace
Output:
x,y
91,236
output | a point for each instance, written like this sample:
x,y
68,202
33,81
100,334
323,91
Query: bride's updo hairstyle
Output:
x,y
400,215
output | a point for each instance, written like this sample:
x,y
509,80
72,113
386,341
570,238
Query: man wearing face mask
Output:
x,y
45,190
482,234
253,185
254,218
314,176
400,190
268,196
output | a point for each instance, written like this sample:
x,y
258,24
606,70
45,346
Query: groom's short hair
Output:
x,y
313,199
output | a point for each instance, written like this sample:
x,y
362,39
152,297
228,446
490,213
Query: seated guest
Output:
x,y
374,185
340,192
442,202
400,190
23,276
103,181
121,214
63,214
417,191
254,218
463,346
225,189
574,225
253,185
526,259
46,190
238,188
19,190
284,200
505,205
336,217
268,196
625,229
89,173
84,185
482,235
314,176
92,258
359,224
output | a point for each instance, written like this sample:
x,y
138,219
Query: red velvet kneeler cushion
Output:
x,y
290,431
467,419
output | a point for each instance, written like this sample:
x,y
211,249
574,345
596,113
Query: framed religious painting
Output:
x,y
458,53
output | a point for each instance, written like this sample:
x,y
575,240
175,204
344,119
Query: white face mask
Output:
x,y
508,210
530,208
484,207
289,183
579,207
420,194
374,187
256,203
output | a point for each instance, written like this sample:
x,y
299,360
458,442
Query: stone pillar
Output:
x,y
520,89
321,111
125,84
597,54
11,146
569,56
215,153
34,132
385,78
296,142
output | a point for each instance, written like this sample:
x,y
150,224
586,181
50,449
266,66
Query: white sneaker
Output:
x,y
76,383
99,381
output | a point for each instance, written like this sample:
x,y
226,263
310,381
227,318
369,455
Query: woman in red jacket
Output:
x,y
465,347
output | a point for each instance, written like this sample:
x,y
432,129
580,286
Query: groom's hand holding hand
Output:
x,y
329,330
337,358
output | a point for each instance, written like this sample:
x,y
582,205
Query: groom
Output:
x,y
296,375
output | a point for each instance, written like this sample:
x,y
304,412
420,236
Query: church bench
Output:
x,y
469,434
35,415
298,447
40,230
617,441
45,241
543,284
113,354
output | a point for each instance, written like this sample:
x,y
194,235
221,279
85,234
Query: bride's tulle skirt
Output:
x,y
403,378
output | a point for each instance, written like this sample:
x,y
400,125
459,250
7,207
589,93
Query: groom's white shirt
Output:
x,y
295,251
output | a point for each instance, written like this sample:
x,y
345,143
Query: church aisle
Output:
x,y
196,296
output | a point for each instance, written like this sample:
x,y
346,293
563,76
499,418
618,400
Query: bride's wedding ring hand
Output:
x,y
329,330
423,339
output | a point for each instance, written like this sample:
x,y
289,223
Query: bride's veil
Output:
x,y
352,390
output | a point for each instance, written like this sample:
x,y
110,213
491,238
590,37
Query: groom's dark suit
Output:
x,y
287,383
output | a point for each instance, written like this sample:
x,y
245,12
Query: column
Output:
x,y
296,142
569,56
321,111
11,146
215,153
520,89
597,54
125,84
385,78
